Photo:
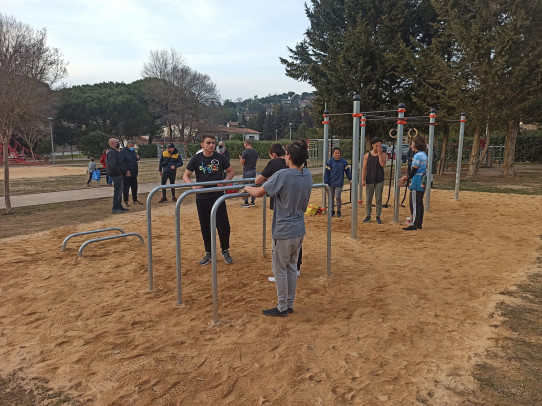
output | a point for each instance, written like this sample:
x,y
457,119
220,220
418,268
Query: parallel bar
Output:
x,y
460,154
398,158
355,171
430,153
89,232
109,238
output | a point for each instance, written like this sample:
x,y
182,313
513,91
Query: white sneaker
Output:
x,y
271,279
298,273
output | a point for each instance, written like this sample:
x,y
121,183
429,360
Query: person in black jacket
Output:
x,y
116,169
169,162
130,158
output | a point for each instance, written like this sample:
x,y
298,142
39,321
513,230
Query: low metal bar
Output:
x,y
178,228
89,232
112,237
175,186
218,202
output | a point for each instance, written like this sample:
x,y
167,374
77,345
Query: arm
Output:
x,y
178,162
364,169
230,173
381,157
408,176
326,173
186,179
260,179
256,191
348,171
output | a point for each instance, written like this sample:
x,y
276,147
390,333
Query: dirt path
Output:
x,y
402,321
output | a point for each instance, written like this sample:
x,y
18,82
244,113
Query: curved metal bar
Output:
x,y
112,237
89,232
213,240
176,186
178,228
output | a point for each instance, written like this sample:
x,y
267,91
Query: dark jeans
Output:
x,y
130,182
204,207
300,258
89,178
171,177
117,192
249,173
416,207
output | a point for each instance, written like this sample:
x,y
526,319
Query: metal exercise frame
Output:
x,y
213,240
176,186
108,238
178,227
89,232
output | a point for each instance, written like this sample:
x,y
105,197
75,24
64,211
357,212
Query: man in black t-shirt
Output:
x,y
248,159
209,165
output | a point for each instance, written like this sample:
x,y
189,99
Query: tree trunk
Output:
x,y
444,147
486,147
7,198
474,162
510,148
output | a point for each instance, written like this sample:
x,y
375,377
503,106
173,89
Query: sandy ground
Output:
x,y
402,320
42,171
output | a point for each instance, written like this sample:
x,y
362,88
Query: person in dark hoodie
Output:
x,y
169,162
130,158
117,170
336,167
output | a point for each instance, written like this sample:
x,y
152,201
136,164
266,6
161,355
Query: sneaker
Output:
x,y
274,312
298,272
173,198
409,228
117,211
163,199
290,309
227,257
123,209
206,259
137,202
378,220
332,213
245,205
367,219
252,204
126,204
88,185
339,214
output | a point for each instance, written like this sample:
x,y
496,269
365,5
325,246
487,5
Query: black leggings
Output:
x,y
204,207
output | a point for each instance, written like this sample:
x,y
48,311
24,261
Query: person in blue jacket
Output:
x,y
130,158
334,173
169,162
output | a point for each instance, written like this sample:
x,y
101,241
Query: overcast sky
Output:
x,y
236,42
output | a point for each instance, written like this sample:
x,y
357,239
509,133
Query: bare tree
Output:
x,y
31,132
175,92
28,69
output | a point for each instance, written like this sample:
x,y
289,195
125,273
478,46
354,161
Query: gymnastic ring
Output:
x,y
415,133
391,131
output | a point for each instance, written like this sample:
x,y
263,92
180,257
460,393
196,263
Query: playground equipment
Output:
x,y
213,240
19,155
358,151
122,235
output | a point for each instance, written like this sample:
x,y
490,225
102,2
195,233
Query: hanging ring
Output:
x,y
391,132
410,136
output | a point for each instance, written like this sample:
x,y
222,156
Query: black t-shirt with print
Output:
x,y
208,169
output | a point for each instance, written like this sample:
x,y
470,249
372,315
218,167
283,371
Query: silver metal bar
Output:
x,y
430,153
398,159
355,165
109,238
89,232
459,154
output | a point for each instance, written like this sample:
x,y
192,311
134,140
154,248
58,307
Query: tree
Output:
x,y
92,144
175,93
28,69
31,132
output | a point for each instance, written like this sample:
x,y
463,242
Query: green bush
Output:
x,y
147,151
92,144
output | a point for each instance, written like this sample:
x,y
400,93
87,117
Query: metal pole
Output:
x,y
429,172
355,160
52,143
276,135
290,131
264,223
398,158
460,153
325,152
363,125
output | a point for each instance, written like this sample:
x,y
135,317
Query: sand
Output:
x,y
404,317
42,171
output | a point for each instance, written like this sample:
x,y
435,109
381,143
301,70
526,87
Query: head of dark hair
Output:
x,y
375,140
276,149
298,151
419,143
205,136
248,142
92,159
335,149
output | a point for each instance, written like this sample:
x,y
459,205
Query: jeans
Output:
x,y
171,176
117,192
336,192
130,182
204,207
249,173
